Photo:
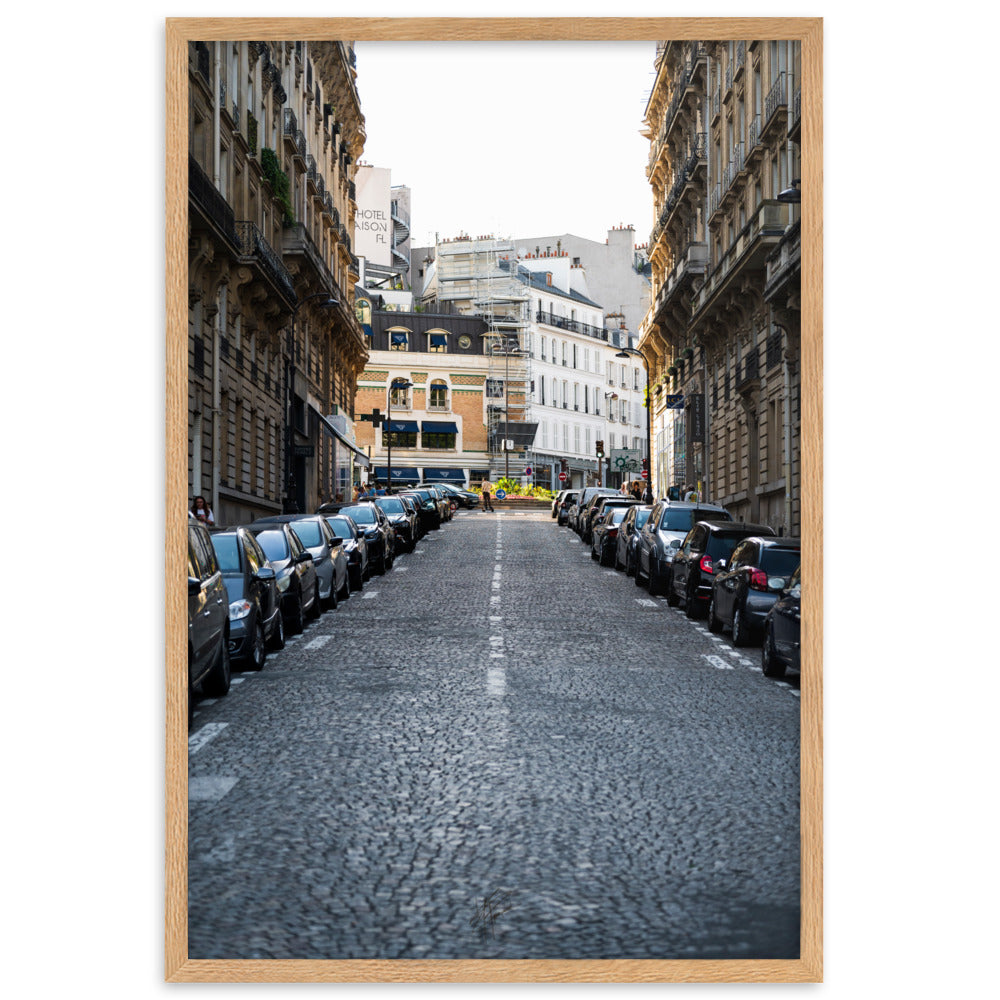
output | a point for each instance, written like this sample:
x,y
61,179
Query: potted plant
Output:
x,y
672,370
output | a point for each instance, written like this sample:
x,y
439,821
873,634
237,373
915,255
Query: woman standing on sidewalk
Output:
x,y
487,489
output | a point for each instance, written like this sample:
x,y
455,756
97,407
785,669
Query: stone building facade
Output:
x,y
274,345
723,331
438,422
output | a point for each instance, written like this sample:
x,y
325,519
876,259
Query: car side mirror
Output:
x,y
194,586
265,573
334,542
303,556
675,543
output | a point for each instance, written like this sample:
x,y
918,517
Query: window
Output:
x,y
439,441
400,397
438,395
437,343
543,348
399,340
400,439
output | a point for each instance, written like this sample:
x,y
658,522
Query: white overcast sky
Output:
x,y
511,138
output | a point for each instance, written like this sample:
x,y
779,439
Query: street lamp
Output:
x,y
290,505
624,353
396,383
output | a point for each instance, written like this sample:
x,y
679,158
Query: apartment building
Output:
x,y
274,345
723,332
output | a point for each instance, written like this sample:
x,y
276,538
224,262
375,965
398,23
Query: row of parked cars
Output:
x,y
251,585
741,577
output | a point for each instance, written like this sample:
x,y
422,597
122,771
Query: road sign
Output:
x,y
563,477
527,470
626,459
501,494
645,474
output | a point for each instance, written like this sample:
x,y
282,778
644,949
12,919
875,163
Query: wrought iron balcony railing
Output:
x,y
252,244
777,97
211,202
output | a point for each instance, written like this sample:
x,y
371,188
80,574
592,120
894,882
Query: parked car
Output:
x,y
329,559
569,497
780,647
412,504
661,536
628,537
556,500
374,525
603,504
355,548
430,512
704,551
292,562
586,506
745,590
402,520
255,622
444,503
465,498
208,618
604,534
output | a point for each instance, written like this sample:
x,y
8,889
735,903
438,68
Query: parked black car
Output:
x,y
463,497
208,618
374,525
780,647
255,621
412,504
747,587
628,537
704,551
604,534
355,548
329,559
430,512
564,503
587,506
661,536
292,562
403,522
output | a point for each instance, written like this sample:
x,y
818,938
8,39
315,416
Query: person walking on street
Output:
x,y
487,488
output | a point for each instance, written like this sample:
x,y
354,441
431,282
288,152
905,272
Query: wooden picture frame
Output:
x,y
809,967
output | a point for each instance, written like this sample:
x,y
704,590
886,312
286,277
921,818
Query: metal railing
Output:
x,y
776,98
210,200
253,244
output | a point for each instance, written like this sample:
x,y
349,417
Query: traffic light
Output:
x,y
600,449
645,465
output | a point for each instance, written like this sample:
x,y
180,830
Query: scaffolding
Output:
x,y
479,276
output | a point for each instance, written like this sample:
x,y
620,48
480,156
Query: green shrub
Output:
x,y
278,180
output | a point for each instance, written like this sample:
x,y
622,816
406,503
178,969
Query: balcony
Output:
x,y
795,117
748,374
776,106
259,252
565,323
298,243
212,205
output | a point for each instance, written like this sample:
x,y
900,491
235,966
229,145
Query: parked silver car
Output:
x,y
208,618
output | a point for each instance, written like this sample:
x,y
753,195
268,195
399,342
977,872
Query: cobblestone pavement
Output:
x,y
499,749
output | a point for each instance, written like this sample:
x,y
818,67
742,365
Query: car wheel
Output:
x,y
316,609
593,552
330,604
605,561
714,622
629,568
345,592
357,580
672,599
216,683
691,607
741,632
638,570
278,635
769,663
296,620
653,580
258,651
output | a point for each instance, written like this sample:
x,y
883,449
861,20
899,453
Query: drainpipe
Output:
x,y
787,458
216,356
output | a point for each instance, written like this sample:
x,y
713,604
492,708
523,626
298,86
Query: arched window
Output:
x,y
438,395
399,339
437,342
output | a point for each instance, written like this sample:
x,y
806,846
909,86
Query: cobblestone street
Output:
x,y
498,749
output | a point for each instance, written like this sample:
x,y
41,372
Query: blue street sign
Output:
x,y
501,494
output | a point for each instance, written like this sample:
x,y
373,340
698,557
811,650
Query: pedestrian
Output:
x,y
487,489
692,494
647,497
637,491
202,511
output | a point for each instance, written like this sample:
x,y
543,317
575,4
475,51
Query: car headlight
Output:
x,y
284,582
238,610
668,554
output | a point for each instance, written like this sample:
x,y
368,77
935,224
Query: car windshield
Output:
x,y
274,544
777,562
676,520
360,514
642,516
618,514
392,506
340,527
227,551
308,533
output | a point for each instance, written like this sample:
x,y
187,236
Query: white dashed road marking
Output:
x,y
370,595
318,642
209,789
205,735
717,662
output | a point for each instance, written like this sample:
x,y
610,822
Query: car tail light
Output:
x,y
758,579
706,564
612,532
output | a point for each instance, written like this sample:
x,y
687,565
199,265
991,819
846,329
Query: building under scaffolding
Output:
x,y
478,276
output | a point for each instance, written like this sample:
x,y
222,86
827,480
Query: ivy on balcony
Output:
x,y
278,180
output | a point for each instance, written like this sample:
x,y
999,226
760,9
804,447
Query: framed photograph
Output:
x,y
413,735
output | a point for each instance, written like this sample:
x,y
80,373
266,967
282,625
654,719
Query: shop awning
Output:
x,y
444,476
360,457
439,427
403,426
400,474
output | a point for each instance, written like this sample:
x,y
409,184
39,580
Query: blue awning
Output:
x,y
399,474
438,427
403,426
444,476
